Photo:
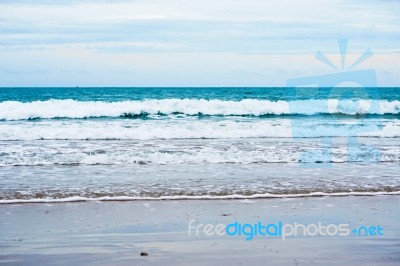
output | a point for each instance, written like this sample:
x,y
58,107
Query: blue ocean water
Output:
x,y
133,143
109,94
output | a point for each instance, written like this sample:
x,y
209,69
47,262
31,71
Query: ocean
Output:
x,y
72,144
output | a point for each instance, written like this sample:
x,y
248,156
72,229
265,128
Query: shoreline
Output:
x,y
202,197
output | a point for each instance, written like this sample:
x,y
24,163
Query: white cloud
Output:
x,y
91,34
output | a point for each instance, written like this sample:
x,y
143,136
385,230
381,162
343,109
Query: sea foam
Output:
x,y
13,110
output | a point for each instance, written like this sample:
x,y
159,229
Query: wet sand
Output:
x,y
116,233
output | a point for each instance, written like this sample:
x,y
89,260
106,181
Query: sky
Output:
x,y
193,43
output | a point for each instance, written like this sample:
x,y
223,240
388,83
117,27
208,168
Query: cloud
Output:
x,y
89,33
58,2
241,26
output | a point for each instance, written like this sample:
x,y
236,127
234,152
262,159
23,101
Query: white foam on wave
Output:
x,y
193,129
191,152
13,110
144,130
201,197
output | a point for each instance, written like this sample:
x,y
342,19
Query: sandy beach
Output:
x,y
116,233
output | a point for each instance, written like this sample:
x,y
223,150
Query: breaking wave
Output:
x,y
50,109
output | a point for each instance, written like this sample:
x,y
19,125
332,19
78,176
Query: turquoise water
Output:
x,y
234,94
107,143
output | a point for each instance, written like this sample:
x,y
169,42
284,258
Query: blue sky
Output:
x,y
191,43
